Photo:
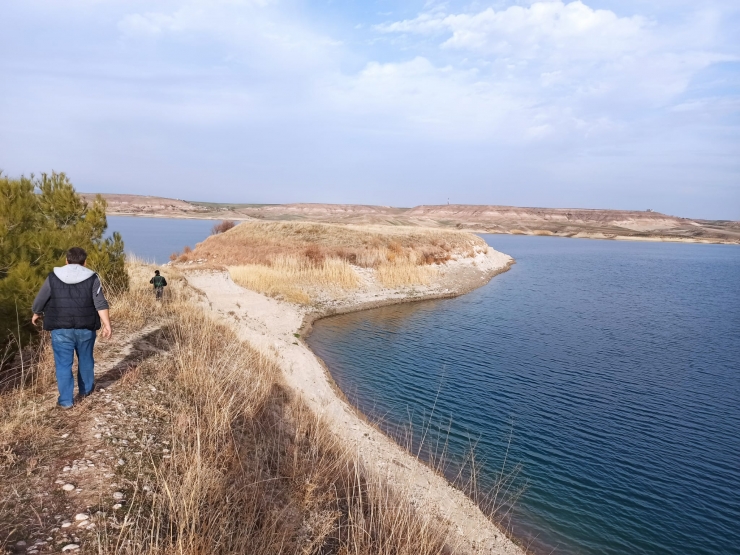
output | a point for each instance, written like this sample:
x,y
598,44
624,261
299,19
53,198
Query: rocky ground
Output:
x,y
82,482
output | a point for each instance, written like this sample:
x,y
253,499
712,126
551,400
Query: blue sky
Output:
x,y
601,104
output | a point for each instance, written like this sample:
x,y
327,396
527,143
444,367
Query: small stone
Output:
x,y
117,506
71,547
118,495
98,436
81,516
20,543
59,482
66,524
68,487
66,469
64,436
121,462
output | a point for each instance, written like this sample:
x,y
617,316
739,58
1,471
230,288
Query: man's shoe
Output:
x,y
64,407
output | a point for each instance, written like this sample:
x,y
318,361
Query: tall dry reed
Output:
x,y
252,470
294,278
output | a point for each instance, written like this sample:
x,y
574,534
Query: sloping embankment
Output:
x,y
272,326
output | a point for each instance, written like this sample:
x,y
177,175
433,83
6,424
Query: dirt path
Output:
x,y
273,326
75,481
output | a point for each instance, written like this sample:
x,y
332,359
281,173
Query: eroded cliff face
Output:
x,y
562,222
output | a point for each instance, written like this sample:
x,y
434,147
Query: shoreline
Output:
x,y
275,327
476,230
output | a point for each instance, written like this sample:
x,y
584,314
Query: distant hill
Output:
x,y
562,222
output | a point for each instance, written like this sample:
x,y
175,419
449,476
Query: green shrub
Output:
x,y
40,219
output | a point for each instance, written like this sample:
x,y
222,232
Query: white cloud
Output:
x,y
264,83
572,57
529,32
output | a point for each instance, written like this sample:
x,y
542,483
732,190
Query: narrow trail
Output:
x,y
76,482
274,326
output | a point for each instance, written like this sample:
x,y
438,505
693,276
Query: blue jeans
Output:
x,y
65,343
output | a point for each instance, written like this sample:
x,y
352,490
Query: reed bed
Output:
x,y
404,274
292,277
298,261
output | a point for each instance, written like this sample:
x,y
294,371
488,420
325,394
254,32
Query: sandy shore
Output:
x,y
273,325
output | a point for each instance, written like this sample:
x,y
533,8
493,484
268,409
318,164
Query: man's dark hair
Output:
x,y
76,255
156,272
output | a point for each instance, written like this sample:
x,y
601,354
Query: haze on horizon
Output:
x,y
593,104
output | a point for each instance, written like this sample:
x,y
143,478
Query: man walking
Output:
x,y
159,284
74,306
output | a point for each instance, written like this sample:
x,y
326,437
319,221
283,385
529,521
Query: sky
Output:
x,y
629,104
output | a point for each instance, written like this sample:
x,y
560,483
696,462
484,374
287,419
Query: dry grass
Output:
x,y
404,274
251,470
28,418
296,260
292,277
364,246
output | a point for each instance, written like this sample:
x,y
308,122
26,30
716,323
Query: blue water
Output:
x,y
616,365
154,239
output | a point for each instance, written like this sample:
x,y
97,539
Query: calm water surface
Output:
x,y
618,366
154,239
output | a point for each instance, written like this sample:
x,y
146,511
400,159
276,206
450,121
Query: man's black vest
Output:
x,y
71,306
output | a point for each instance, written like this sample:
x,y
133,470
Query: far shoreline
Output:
x,y
477,231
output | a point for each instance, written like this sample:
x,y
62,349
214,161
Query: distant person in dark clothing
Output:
x,y
159,284
74,307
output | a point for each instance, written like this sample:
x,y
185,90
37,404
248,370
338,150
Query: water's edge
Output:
x,y
312,317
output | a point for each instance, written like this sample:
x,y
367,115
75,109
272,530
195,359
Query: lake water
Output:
x,y
616,365
155,239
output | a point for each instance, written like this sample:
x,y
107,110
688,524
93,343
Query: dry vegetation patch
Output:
x,y
193,447
294,260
